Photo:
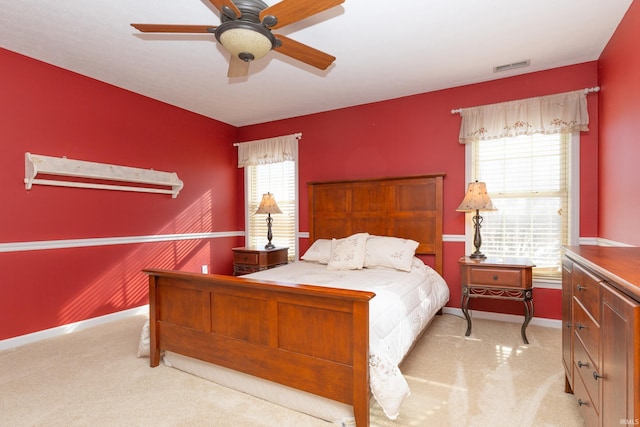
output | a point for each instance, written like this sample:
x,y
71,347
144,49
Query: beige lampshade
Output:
x,y
241,40
268,205
476,198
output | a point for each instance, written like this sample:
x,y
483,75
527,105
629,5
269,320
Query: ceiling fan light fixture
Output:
x,y
245,31
245,43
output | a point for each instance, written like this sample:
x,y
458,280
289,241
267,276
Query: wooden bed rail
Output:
x,y
307,337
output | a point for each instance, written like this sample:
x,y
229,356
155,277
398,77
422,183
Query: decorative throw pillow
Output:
x,y
348,253
320,251
392,252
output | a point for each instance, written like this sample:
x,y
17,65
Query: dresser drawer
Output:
x,y
252,259
586,289
588,332
241,269
585,368
587,408
245,258
498,277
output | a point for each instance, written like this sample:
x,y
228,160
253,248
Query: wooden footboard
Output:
x,y
307,337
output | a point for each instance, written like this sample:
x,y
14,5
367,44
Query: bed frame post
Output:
x,y
154,350
438,248
361,396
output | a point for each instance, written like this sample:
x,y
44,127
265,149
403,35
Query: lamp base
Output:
x,y
269,234
477,239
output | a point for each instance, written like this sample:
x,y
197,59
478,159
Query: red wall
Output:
x,y
50,111
619,67
419,135
46,110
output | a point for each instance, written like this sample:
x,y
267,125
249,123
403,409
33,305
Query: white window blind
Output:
x,y
528,180
278,179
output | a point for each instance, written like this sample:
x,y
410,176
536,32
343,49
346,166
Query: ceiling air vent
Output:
x,y
511,66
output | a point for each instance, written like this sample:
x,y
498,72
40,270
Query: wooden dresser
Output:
x,y
601,333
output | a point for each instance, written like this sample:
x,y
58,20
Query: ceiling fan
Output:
x,y
245,31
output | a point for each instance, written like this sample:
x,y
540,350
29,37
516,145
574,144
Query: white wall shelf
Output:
x,y
83,174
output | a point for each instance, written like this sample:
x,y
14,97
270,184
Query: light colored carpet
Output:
x,y
93,378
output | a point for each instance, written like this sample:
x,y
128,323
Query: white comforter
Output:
x,y
404,304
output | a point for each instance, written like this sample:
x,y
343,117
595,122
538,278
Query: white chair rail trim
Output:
x,y
106,241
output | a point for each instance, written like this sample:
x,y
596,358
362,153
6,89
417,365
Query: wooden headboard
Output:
x,y
408,207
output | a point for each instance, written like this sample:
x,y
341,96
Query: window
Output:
x,y
529,180
279,179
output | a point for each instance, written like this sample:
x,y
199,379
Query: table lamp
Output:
x,y
268,206
477,199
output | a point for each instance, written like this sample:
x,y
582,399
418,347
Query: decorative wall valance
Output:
x,y
560,113
267,151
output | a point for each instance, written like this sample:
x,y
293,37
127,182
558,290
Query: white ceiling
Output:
x,y
384,49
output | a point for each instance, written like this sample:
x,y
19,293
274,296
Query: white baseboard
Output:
x,y
72,327
606,242
502,317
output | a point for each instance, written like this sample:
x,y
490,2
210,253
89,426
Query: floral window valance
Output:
x,y
560,113
267,151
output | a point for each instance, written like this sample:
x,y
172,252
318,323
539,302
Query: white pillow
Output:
x,y
393,252
348,253
319,251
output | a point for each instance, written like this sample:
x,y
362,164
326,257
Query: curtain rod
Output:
x,y
586,90
297,135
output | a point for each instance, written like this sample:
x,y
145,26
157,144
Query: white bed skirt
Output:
x,y
335,412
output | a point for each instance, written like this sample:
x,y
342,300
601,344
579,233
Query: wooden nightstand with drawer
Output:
x,y
249,260
499,278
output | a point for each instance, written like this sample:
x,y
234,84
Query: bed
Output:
x,y
295,326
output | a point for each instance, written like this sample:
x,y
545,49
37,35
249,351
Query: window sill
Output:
x,y
547,283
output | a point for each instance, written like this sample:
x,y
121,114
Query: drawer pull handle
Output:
x,y
568,325
581,326
596,375
581,402
495,277
583,365
580,287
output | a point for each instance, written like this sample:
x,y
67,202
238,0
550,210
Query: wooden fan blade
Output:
x,y
162,28
237,67
304,53
290,11
219,4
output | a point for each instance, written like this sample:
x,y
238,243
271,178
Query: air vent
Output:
x,y
512,66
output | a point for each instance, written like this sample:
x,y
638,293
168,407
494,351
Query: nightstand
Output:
x,y
498,278
251,259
